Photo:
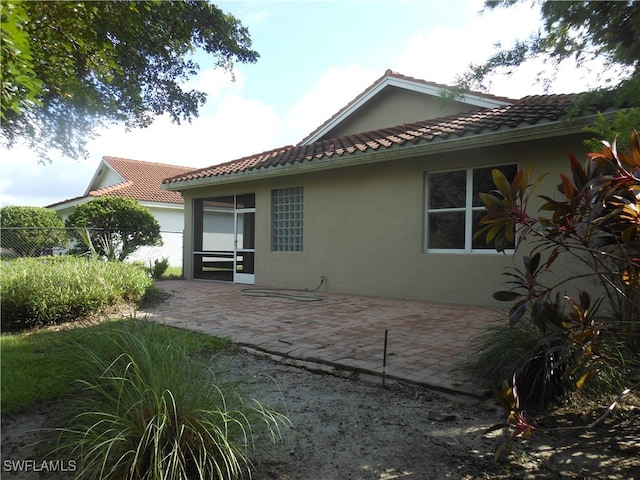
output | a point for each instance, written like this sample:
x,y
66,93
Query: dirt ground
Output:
x,y
347,428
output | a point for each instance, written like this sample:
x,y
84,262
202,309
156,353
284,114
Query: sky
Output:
x,y
315,57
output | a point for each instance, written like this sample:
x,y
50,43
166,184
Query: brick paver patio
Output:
x,y
427,342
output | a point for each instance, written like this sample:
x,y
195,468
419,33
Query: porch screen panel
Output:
x,y
287,219
213,238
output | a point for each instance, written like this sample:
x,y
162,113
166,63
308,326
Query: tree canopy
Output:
x,y
582,30
70,67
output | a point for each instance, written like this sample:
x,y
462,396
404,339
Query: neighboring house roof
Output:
x,y
140,180
527,118
394,79
136,179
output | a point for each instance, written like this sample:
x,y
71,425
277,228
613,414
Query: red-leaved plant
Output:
x,y
595,222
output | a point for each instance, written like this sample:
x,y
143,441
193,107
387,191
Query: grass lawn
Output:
x,y
44,364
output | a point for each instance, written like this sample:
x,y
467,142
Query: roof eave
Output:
x,y
497,137
162,205
71,202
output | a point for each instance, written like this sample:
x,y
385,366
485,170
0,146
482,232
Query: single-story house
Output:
x,y
381,199
140,181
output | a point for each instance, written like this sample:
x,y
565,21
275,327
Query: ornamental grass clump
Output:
x,y
50,290
155,411
502,350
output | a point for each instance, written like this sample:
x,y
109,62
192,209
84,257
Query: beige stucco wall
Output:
x,y
364,227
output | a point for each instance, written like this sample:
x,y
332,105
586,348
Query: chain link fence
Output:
x,y
36,242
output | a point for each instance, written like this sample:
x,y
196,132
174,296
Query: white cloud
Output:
x,y
240,127
446,51
24,181
216,82
237,127
333,90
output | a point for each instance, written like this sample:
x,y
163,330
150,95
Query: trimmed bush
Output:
x,y
116,227
31,231
50,290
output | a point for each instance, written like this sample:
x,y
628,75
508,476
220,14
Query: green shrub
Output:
x,y
50,290
31,231
501,350
523,349
158,267
155,411
114,227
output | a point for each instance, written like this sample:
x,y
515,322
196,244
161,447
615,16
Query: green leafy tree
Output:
x,y
580,30
31,231
70,67
113,228
20,88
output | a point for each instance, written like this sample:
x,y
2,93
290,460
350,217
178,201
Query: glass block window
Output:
x,y
287,207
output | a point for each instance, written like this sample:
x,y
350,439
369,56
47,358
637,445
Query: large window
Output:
x,y
454,208
287,206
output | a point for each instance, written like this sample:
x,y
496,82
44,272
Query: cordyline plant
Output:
x,y
595,224
509,400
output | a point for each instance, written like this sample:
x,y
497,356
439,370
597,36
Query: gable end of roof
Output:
x,y
394,79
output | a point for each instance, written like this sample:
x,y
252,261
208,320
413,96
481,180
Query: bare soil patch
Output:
x,y
346,428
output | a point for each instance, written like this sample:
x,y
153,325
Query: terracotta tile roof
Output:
x,y
396,75
526,111
142,180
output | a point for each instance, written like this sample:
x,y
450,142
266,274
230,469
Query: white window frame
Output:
x,y
468,209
